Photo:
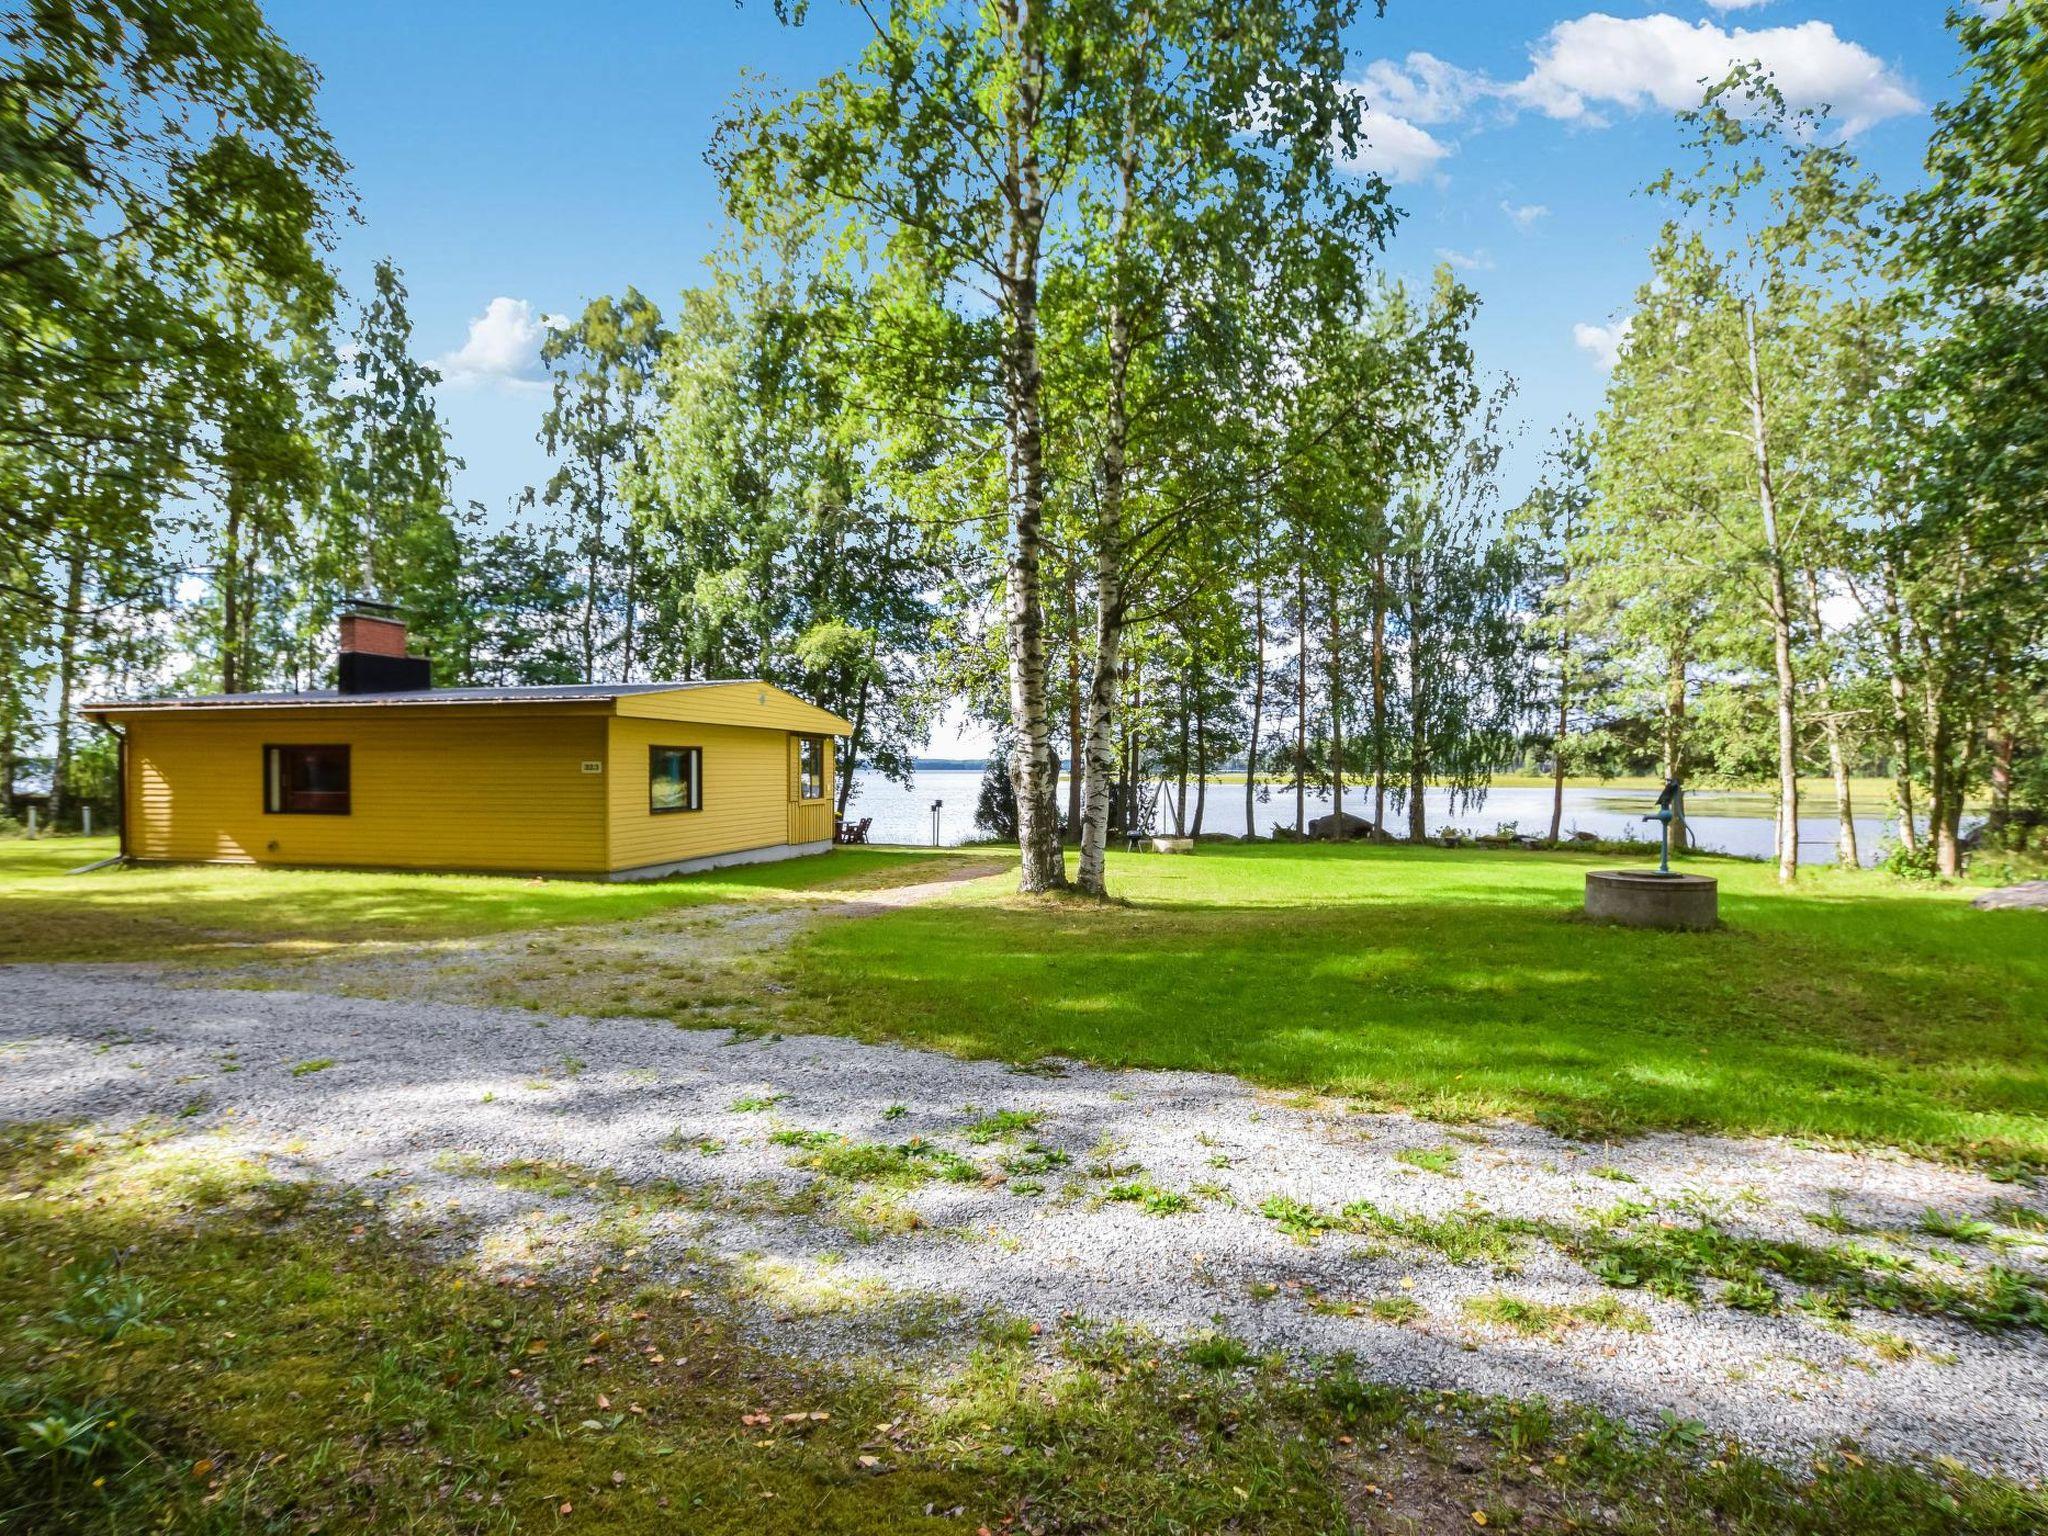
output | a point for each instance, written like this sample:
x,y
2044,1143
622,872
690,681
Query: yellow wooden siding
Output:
x,y
460,787
756,704
810,821
745,794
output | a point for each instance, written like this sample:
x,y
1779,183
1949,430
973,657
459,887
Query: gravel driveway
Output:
x,y
1146,1197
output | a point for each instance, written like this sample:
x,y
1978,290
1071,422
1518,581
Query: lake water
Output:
x,y
1723,822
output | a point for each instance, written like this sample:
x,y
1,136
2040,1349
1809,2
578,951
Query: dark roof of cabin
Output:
x,y
533,693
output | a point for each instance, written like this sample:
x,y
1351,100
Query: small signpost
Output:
x,y
935,821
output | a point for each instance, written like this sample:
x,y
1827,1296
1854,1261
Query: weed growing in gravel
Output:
x,y
1001,1125
905,1165
1036,1158
1615,1175
2021,1218
1443,1160
1156,1201
1551,1320
1297,1218
1957,1229
308,1068
1467,1236
1217,1352
1672,1260
756,1103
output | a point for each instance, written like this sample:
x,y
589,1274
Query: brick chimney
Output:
x,y
373,656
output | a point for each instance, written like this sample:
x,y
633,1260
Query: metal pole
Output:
x,y
31,821
935,821
86,812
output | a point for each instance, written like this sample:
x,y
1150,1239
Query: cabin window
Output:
x,y
810,762
675,779
305,781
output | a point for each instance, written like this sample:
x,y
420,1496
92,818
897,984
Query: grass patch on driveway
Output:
x,y
1465,983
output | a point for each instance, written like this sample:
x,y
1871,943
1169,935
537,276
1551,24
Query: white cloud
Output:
x,y
1524,215
1660,61
1398,149
1602,342
1421,88
503,347
1735,5
1465,261
1404,99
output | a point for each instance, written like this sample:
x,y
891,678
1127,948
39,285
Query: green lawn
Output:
x,y
1455,982
1465,983
195,911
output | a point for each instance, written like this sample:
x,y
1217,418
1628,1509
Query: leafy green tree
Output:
x,y
774,549
157,153
1568,619
601,367
943,151
1963,549
387,528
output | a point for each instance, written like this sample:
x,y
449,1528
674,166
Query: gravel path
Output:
x,y
424,1100
2032,895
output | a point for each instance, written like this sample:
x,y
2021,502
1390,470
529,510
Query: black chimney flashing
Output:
x,y
367,672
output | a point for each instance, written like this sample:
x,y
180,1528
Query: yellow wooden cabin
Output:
x,y
605,781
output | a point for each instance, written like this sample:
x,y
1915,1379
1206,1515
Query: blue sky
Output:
x,y
520,157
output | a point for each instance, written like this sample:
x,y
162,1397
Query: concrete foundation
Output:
x,y
1642,898
768,855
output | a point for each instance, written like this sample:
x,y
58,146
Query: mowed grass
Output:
x,y
186,912
1466,983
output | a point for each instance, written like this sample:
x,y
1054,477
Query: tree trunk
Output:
x,y
845,769
1902,721
1301,701
1379,691
591,568
1846,851
2001,780
1201,756
1336,719
1077,750
1109,536
67,676
231,592
1251,758
1041,865
1557,760
1418,715
1781,619
632,602
1180,798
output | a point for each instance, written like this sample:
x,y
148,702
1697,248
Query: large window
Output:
x,y
675,779
305,781
810,759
